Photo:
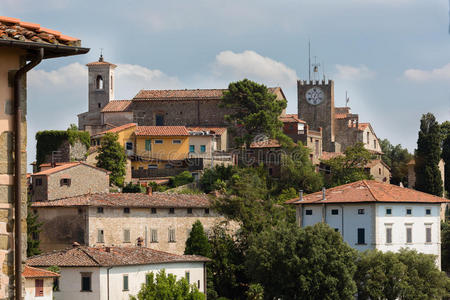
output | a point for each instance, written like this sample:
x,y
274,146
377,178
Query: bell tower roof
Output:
x,y
101,62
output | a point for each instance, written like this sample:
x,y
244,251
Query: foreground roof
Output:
x,y
83,256
65,166
31,272
19,34
138,200
117,106
117,129
368,191
291,118
161,131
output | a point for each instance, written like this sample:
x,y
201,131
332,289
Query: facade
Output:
x,y
20,43
374,215
39,283
412,173
68,180
161,220
116,273
379,170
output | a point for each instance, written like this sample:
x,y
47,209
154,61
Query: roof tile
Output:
x,y
64,166
117,106
161,131
31,272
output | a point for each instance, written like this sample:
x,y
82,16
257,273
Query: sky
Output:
x,y
392,57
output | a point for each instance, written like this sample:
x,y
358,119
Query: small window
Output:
x,y
361,211
99,82
80,211
153,210
171,235
125,282
206,211
171,210
389,235
202,148
86,282
379,171
408,235
148,145
129,146
126,235
126,210
100,236
308,212
153,166
187,275
65,181
99,210
388,211
334,211
192,148
158,141
361,236
154,236
428,211
99,105
189,210
428,234
39,287
38,181
159,120
409,211
176,141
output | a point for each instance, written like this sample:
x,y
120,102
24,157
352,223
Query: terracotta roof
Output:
x,y
265,144
330,155
83,256
117,106
31,272
291,118
162,200
340,116
369,191
363,126
212,130
161,131
66,166
116,129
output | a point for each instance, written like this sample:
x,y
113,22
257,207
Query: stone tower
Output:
x,y
316,107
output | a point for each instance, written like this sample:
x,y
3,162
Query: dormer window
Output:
x,y
99,82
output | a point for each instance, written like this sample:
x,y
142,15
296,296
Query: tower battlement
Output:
x,y
315,82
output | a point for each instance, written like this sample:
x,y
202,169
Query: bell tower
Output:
x,y
101,84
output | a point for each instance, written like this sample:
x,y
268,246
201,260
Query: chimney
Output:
x,y
323,193
108,249
75,244
149,190
300,195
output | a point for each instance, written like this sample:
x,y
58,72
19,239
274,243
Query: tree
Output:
x,y
348,167
197,242
166,287
255,111
446,154
397,158
183,178
302,263
33,230
445,245
133,188
112,158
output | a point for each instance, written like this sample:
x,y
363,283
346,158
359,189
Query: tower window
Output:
x,y
99,105
99,82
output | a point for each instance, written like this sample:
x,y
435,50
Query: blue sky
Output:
x,y
392,56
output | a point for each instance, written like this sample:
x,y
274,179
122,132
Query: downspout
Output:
x,y
107,282
37,58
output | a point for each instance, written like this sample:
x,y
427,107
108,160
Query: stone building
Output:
x,y
163,221
22,46
68,180
379,170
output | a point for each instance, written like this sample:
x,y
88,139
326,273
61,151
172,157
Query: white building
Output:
x,y
39,283
115,273
375,215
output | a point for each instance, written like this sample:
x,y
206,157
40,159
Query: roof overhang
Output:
x,y
50,51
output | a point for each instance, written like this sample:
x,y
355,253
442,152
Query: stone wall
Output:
x,y
68,152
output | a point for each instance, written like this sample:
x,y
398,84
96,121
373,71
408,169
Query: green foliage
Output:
x,y
428,154
255,111
445,128
397,158
445,245
54,269
255,292
133,188
215,178
166,287
112,158
308,263
197,242
348,167
33,230
50,140
181,179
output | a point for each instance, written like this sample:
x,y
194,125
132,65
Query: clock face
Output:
x,y
314,96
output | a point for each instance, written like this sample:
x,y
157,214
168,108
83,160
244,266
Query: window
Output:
x,y
39,287
202,148
86,282
171,210
408,234
152,166
154,236
100,236
148,145
368,142
388,234
168,166
187,275
158,141
308,212
129,146
64,181
159,120
126,235
192,148
388,211
375,144
171,235
153,210
80,211
379,171
176,141
99,105
99,210
198,284
206,211
126,210
316,147
125,282
428,211
334,212
428,234
361,236
189,210
361,211
38,181
99,83
408,211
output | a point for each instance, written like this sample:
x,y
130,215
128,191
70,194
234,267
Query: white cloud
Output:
x,y
425,75
346,72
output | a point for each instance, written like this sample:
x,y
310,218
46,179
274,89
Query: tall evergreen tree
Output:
x,y
446,154
112,158
33,230
197,242
428,155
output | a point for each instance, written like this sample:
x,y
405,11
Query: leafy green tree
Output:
x,y
397,158
445,245
166,287
302,263
255,111
33,230
348,167
215,178
255,292
445,127
133,188
181,179
197,242
428,155
112,158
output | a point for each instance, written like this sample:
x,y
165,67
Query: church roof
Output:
x,y
100,62
117,106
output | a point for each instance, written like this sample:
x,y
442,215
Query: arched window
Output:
x,y
99,82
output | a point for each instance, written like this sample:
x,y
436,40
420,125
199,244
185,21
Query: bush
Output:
x,y
181,179
133,188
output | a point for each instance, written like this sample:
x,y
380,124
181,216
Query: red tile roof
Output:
x,y
363,126
369,191
266,144
82,256
138,200
161,131
15,30
117,129
31,272
66,166
211,130
291,118
340,116
101,62
117,106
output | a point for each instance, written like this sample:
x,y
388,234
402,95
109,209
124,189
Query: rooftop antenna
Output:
x,y
101,55
309,59
347,99
323,71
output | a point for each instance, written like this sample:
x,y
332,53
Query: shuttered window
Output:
x,y
154,236
408,235
148,145
389,235
428,234
39,287
125,282
126,235
361,236
171,235
100,236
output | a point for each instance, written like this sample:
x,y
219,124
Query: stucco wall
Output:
x,y
117,118
70,285
380,172
30,290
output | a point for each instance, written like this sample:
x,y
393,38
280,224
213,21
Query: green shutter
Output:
x,y
148,145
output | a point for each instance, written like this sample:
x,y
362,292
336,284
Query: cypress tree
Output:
x,y
197,243
446,155
428,155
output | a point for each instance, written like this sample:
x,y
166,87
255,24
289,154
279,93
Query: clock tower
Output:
x,y
316,108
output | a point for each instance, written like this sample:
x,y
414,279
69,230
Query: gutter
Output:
x,y
37,58
107,282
